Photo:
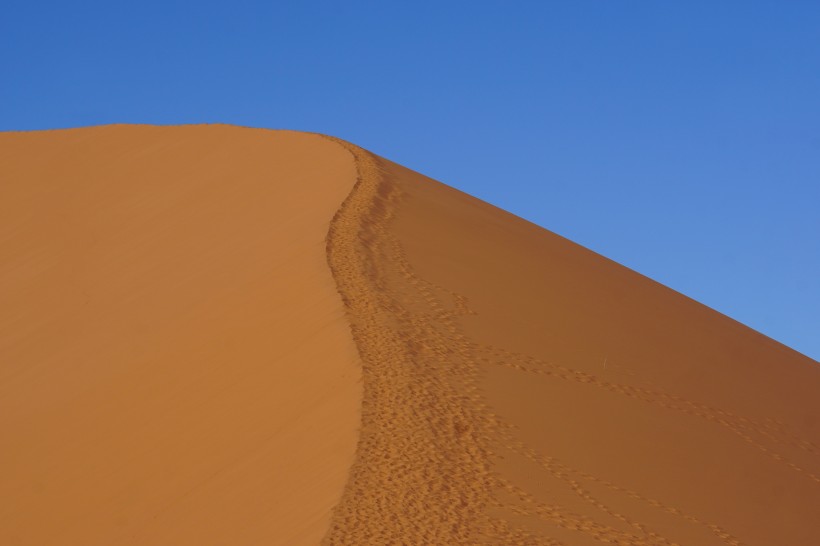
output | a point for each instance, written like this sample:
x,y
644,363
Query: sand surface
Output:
x,y
519,389
212,335
175,365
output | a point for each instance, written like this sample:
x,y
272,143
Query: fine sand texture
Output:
x,y
520,389
175,364
213,335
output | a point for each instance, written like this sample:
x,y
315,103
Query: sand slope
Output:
x,y
213,335
175,367
520,389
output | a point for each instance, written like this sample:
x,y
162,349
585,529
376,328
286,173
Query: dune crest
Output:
x,y
519,389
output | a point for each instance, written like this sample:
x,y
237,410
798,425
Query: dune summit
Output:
x,y
215,335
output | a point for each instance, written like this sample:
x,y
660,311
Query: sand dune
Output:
x,y
212,335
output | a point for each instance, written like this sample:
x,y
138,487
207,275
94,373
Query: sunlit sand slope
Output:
x,y
175,364
519,389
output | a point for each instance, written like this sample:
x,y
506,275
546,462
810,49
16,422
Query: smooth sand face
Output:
x,y
520,389
175,365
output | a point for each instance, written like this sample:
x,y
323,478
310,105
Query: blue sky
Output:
x,y
681,139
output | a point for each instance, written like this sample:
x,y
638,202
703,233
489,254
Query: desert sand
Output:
x,y
214,335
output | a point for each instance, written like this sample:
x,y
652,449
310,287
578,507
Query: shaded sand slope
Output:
x,y
519,389
175,365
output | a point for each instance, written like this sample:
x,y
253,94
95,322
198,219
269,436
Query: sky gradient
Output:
x,y
679,139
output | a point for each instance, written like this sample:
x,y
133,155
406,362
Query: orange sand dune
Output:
x,y
178,367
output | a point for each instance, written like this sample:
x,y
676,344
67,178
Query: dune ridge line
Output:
x,y
422,473
404,484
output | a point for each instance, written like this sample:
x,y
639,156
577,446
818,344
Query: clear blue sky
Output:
x,y
681,139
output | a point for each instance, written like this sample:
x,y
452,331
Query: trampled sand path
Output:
x,y
430,459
